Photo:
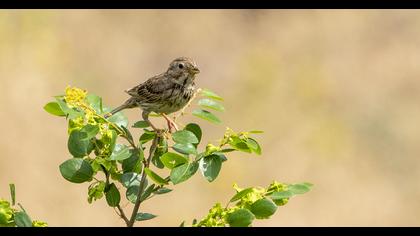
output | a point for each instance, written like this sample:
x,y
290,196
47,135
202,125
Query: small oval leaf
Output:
x,y
54,109
195,129
184,136
171,160
263,208
185,148
210,167
206,115
129,179
183,172
76,170
144,216
240,218
120,152
113,196
210,94
298,188
240,194
155,177
78,143
22,219
281,195
211,104
141,124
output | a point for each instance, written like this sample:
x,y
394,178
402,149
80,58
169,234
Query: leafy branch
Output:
x,y
93,144
10,216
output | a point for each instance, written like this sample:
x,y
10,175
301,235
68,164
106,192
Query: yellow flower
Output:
x,y
37,223
75,96
90,116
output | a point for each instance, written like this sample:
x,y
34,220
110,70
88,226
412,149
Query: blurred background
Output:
x,y
337,93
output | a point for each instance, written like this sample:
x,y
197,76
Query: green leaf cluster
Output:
x,y
211,101
10,216
252,203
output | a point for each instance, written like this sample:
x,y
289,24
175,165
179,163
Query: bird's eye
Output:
x,y
180,66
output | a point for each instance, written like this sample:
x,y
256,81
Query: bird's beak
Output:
x,y
195,70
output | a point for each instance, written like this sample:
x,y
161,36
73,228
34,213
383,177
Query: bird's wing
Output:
x,y
151,90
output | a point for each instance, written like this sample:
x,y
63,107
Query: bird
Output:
x,y
165,93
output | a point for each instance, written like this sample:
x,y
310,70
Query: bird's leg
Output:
x,y
145,116
170,123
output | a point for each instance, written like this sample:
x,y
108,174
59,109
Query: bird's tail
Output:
x,y
130,103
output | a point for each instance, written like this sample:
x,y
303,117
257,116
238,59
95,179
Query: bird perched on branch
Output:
x,y
164,93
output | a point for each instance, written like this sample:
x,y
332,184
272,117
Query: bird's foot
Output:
x,y
171,124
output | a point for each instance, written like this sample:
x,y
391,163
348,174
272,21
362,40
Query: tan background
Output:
x,y
337,92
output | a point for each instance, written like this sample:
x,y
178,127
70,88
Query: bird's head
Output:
x,y
182,68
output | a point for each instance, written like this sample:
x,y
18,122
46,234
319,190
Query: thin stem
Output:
x,y
122,214
143,180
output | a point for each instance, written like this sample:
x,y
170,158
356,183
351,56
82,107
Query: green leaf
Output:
x,y
163,190
227,150
129,179
113,196
127,133
76,170
54,109
206,115
239,145
96,191
147,192
256,131
133,191
263,208
118,118
211,104
281,195
111,140
195,129
161,149
95,102
146,137
185,148
78,143
144,216
183,172
221,155
133,163
210,94
69,112
172,160
210,167
253,145
298,188
240,218
13,193
240,194
155,177
120,152
182,224
309,185
90,130
22,219
184,136
141,124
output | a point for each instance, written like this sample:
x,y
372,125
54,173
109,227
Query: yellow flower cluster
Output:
x,y
75,96
37,223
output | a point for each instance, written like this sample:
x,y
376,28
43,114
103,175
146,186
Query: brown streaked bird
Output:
x,y
164,93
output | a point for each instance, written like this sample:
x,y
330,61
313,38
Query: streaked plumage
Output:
x,y
165,93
